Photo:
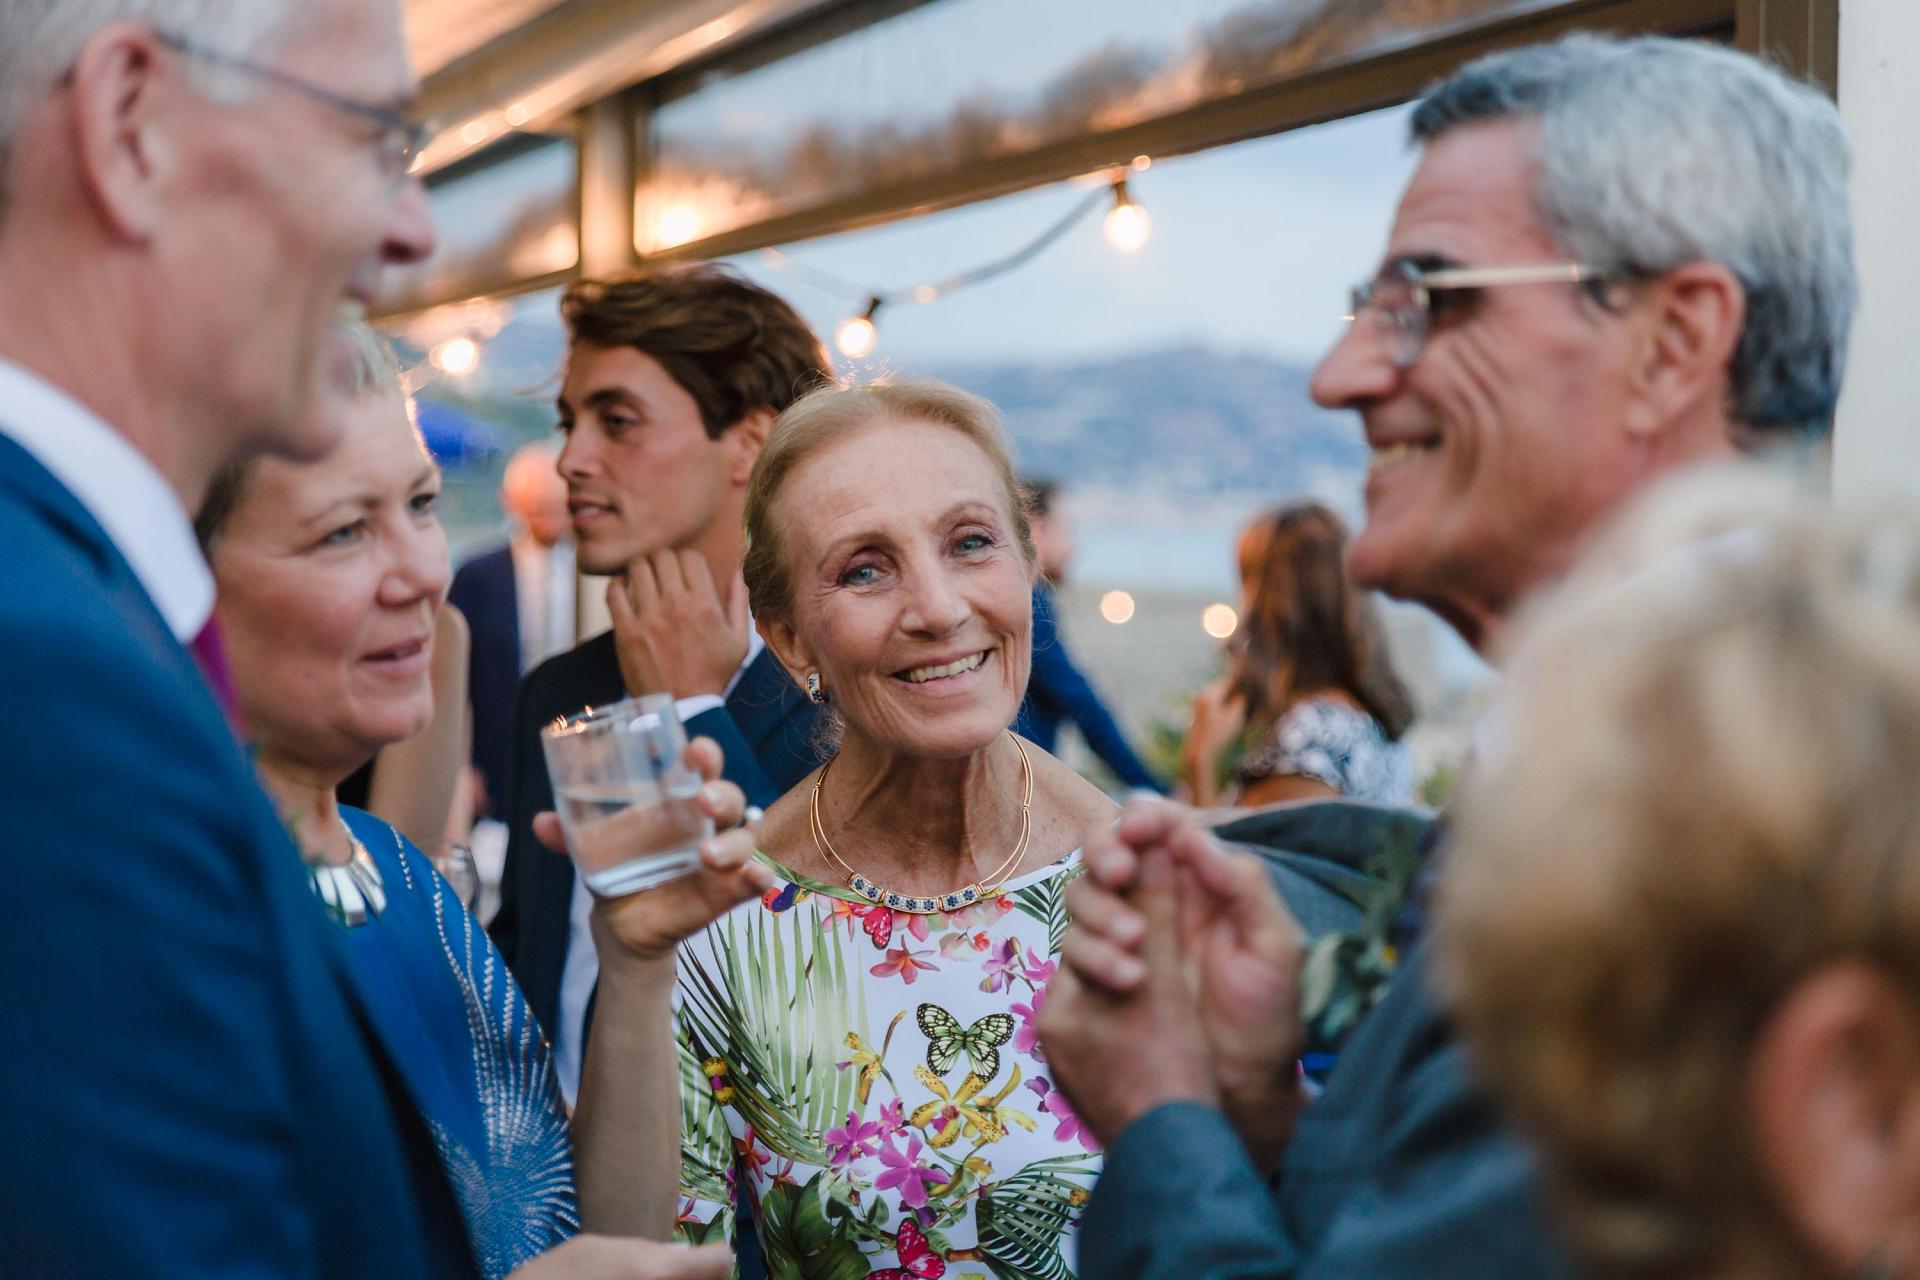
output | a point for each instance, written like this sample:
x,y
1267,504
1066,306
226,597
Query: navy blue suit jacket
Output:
x,y
1057,692
484,591
187,1087
1400,1171
768,731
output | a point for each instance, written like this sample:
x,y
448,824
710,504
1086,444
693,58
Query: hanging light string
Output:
x,y
1126,229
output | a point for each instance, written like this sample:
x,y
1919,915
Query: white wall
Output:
x,y
1877,436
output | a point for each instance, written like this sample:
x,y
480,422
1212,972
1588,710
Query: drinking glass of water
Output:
x,y
628,799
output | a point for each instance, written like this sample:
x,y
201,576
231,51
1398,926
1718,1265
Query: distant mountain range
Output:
x,y
1178,427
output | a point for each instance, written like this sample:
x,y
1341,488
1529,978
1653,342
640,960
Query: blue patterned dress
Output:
x,y
462,1038
1335,742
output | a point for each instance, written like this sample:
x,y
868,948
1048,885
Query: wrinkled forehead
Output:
x,y
890,476
1472,199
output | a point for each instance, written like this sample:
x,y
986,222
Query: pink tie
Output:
x,y
211,656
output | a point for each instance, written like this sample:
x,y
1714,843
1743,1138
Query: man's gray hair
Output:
x,y
39,40
1654,153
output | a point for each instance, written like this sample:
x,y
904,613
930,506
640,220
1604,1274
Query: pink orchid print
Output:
x,y
893,1117
1001,966
908,1174
1027,1039
1067,1126
1039,972
905,963
852,1141
750,1152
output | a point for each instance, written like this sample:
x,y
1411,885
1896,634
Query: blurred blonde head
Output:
x,y
1681,927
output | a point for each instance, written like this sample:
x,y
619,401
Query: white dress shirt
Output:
x,y
582,967
543,588
120,489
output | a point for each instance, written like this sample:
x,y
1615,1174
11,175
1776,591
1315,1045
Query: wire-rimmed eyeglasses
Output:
x,y
1402,295
399,139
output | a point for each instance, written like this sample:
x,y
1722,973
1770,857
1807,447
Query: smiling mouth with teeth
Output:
x,y
1404,451
920,675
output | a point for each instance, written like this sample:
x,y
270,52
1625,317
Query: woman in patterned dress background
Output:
x,y
1309,691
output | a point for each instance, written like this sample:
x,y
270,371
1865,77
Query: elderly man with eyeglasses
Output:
x,y
1615,260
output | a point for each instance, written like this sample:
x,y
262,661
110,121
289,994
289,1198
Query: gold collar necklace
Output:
x,y
959,898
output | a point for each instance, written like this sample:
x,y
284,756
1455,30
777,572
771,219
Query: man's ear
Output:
x,y
787,646
124,114
1834,1095
749,438
1691,322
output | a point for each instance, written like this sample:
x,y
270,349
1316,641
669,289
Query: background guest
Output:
x,y
673,380
1309,684
1058,692
519,602
330,574
1705,1004
874,1046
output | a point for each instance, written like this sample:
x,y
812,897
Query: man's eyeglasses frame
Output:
x,y
1409,320
400,139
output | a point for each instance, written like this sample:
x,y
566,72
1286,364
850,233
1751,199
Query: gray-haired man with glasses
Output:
x,y
187,1083
1616,259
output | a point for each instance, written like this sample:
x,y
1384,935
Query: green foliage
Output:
x,y
1345,974
1436,789
1020,1220
1047,903
781,1024
805,1239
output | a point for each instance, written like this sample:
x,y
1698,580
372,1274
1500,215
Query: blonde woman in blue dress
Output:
x,y
857,1047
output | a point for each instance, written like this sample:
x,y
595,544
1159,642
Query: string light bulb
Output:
x,y
1127,225
457,356
856,335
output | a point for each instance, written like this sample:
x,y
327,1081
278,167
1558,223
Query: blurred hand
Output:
x,y
1247,952
587,1257
1239,949
648,925
1119,1056
672,628
1219,715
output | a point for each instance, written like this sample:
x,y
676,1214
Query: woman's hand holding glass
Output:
x,y
648,925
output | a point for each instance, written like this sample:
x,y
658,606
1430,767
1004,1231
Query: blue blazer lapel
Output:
x,y
22,474
763,700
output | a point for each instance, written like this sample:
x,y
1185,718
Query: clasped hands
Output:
x,y
1179,981
674,630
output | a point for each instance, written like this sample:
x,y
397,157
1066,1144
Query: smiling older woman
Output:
x,y
859,1043
330,575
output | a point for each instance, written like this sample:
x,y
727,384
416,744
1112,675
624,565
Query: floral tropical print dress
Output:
x,y
871,1080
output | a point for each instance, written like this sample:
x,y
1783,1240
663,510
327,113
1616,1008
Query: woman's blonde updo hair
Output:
x,y
831,414
1696,790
